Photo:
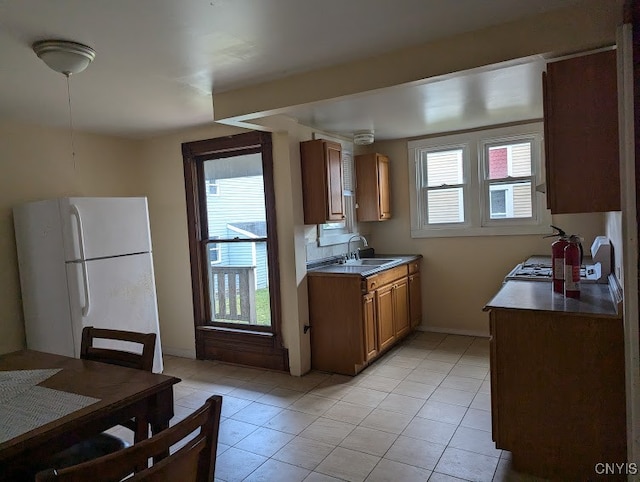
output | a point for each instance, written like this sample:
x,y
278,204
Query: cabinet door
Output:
x,y
369,318
581,134
333,159
384,316
415,299
321,169
401,307
372,187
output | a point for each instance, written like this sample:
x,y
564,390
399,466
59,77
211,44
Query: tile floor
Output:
x,y
421,412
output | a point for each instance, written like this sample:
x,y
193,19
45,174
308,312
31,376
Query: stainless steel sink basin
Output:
x,y
369,262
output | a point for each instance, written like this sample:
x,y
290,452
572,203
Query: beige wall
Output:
x,y
460,275
35,164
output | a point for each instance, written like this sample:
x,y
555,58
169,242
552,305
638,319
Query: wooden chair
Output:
x,y
143,361
105,443
192,460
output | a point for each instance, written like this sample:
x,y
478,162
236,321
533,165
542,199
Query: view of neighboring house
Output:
x,y
238,269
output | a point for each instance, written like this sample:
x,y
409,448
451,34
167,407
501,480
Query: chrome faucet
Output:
x,y
354,254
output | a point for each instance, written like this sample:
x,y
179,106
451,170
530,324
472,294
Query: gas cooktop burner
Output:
x,y
538,272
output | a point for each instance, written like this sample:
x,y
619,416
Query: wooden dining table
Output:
x,y
117,394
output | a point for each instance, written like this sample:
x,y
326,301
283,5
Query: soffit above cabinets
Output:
x,y
466,100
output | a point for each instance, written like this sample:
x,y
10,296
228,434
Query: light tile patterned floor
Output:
x,y
421,412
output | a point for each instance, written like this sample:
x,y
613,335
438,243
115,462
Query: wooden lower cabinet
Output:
x,y
558,392
354,320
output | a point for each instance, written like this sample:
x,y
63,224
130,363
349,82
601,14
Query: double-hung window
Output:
x,y
508,181
478,183
443,184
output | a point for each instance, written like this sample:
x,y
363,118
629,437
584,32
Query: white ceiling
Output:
x,y
159,60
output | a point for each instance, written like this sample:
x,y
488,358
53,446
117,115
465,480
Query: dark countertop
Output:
x,y
595,299
363,271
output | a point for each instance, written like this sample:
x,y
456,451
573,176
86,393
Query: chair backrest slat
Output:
x,y
141,361
194,462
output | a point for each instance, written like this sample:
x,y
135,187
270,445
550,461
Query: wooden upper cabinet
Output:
x,y
581,134
322,184
372,187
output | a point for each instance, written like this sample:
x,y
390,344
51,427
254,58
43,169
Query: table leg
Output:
x,y
163,412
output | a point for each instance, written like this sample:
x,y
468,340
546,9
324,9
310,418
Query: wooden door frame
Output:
x,y
235,345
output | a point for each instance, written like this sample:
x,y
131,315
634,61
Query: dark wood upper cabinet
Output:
x,y
581,134
322,183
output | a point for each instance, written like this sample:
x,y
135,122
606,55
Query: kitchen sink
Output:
x,y
369,262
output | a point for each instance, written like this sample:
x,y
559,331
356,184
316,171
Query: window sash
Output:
x,y
487,183
432,217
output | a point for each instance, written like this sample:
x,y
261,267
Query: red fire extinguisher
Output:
x,y
572,261
557,259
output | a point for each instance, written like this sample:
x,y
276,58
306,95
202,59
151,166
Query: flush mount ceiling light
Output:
x,y
363,138
64,56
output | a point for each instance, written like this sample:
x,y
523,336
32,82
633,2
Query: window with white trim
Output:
x,y
444,186
508,179
214,252
478,183
213,188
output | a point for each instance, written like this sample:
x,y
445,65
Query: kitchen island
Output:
x,y
557,379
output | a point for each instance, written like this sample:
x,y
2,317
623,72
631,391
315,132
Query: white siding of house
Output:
x,y
521,160
444,205
444,167
239,200
522,201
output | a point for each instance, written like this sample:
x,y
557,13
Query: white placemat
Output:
x,y
12,383
25,406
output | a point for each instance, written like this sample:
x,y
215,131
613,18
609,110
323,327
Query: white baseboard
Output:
x,y
452,331
180,352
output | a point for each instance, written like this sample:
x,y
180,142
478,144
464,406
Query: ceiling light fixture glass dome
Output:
x,y
363,138
64,56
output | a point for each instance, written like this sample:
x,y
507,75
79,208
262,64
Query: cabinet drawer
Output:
x,y
386,277
414,267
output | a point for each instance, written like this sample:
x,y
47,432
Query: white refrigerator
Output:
x,y
85,261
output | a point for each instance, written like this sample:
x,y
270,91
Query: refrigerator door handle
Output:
x,y
85,275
